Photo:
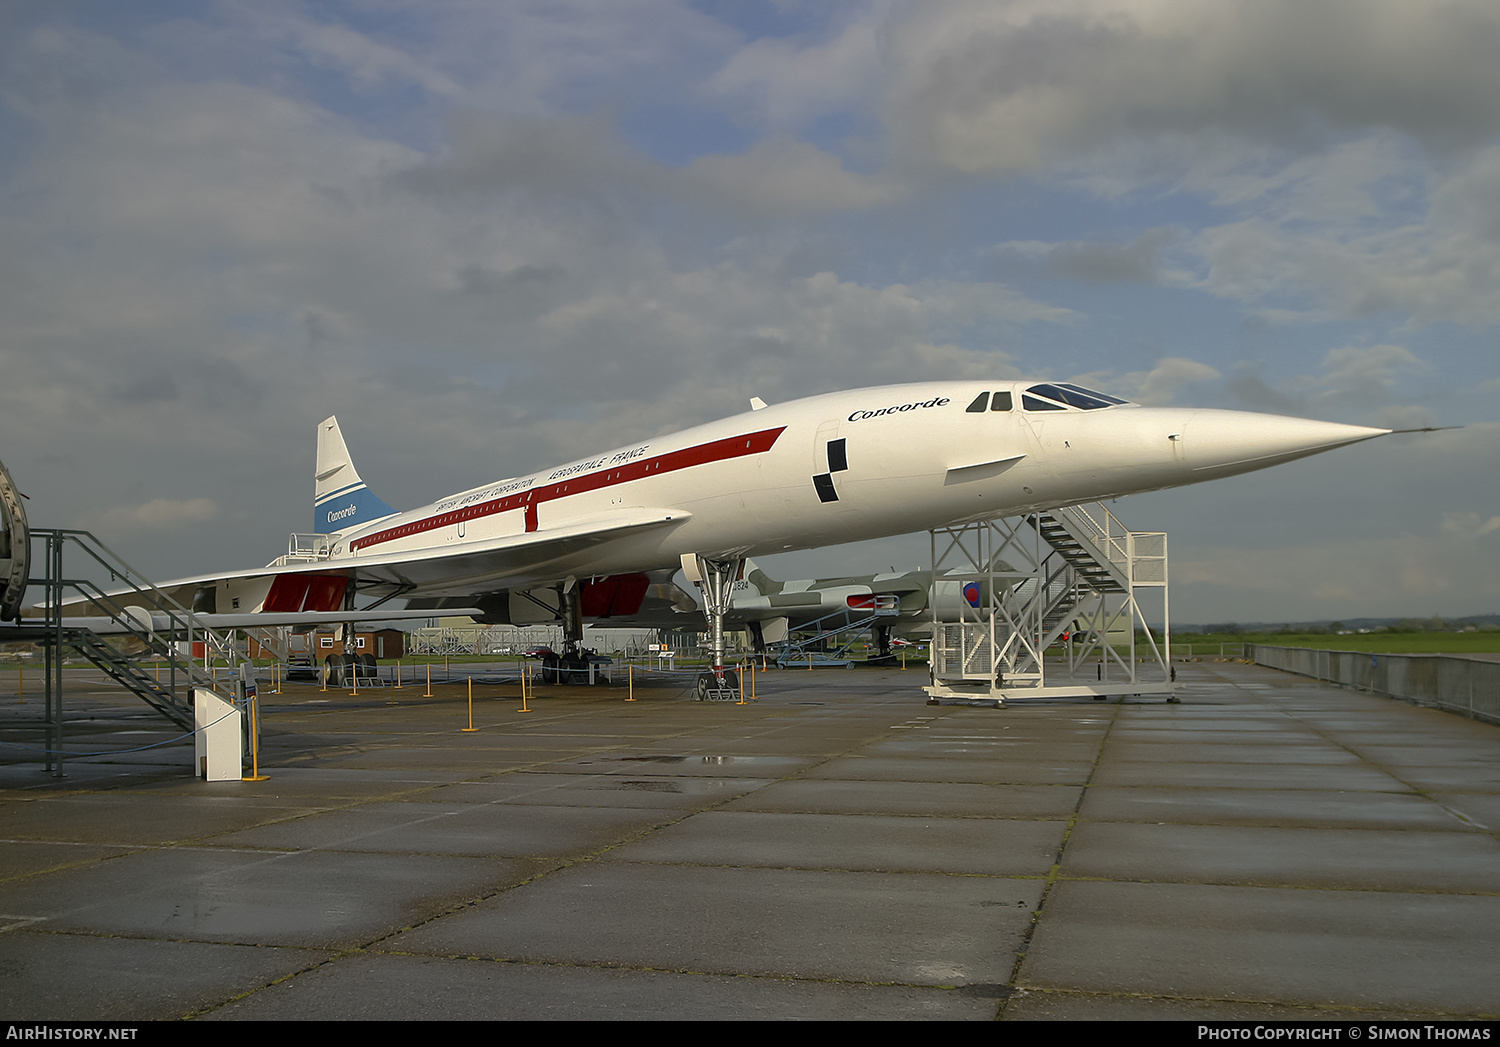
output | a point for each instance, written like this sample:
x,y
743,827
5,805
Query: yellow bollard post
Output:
x,y
471,728
630,677
429,681
255,775
398,674
525,674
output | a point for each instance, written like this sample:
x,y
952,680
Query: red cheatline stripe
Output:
x,y
717,451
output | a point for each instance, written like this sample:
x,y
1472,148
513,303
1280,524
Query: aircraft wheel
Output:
x,y
711,690
575,669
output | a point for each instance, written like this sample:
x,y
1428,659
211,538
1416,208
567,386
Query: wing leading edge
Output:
x,y
511,560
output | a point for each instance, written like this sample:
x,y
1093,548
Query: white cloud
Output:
x,y
1158,386
1411,574
782,178
573,158
209,268
789,82
983,87
1469,526
159,515
1094,261
581,161
1358,382
1366,371
1434,258
367,62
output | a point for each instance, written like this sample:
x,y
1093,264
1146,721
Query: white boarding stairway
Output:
x,y
1084,564
1082,568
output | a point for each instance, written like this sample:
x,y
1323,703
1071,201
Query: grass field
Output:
x,y
1377,643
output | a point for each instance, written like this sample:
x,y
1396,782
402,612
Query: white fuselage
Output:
x,y
827,469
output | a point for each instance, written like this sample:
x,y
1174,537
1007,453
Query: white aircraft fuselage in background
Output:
x,y
827,469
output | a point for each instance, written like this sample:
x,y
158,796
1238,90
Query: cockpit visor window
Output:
x,y
1092,392
1070,396
1036,403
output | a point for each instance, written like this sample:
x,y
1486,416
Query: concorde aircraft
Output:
x,y
827,469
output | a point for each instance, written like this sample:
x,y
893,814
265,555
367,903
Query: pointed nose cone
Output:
x,y
1222,443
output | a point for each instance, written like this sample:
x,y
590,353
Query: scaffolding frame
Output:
x,y
1067,581
171,646
843,627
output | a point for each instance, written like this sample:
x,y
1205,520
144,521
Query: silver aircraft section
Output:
x,y
15,547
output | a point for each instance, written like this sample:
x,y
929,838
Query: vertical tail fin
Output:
x,y
340,497
759,582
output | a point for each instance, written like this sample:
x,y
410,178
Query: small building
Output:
x,y
382,643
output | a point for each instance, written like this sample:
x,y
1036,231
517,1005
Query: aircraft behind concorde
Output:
x,y
894,606
827,469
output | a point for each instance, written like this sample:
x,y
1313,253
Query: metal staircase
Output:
x,y
129,674
1083,546
145,623
843,627
1064,621
112,631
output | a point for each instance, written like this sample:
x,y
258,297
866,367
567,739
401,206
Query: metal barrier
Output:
x,y
1460,685
1186,652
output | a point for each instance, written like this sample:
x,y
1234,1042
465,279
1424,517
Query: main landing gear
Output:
x,y
572,664
716,577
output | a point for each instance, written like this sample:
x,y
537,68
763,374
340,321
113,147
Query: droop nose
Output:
x,y
1221,443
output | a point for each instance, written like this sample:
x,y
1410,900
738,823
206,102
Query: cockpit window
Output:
x,y
1066,393
1036,403
1049,396
1092,392
1068,396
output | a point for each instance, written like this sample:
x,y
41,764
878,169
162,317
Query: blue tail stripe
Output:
x,y
356,485
359,505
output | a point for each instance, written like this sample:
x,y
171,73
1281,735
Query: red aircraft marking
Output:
x,y
702,454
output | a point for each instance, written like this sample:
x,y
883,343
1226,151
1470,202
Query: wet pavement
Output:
x,y
1270,848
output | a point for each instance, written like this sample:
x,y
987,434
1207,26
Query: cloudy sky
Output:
x,y
496,236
